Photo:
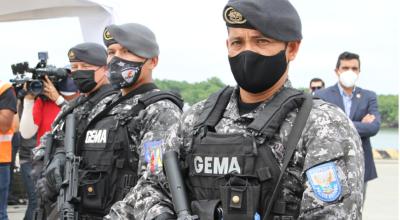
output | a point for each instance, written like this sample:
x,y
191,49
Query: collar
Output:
x,y
343,93
232,109
140,90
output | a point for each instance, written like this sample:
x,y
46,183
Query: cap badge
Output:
x,y
232,16
107,35
71,55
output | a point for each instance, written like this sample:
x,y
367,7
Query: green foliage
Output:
x,y
195,92
389,108
192,92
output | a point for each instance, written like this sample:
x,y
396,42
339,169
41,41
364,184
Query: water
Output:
x,y
386,138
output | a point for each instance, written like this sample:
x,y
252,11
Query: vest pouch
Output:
x,y
240,197
94,191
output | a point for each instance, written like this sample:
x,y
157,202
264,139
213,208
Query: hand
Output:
x,y
38,153
28,95
43,189
368,118
55,171
49,90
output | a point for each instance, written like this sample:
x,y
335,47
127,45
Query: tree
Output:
x,y
195,92
389,107
192,92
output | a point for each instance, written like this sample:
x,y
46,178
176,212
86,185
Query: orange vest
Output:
x,y
5,138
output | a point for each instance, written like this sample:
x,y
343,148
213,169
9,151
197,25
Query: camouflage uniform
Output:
x,y
327,136
83,110
158,122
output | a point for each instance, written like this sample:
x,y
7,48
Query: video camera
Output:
x,y
34,76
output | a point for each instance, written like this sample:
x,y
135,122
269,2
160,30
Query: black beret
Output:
x,y
277,19
91,53
137,38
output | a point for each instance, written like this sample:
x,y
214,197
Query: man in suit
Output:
x,y
360,105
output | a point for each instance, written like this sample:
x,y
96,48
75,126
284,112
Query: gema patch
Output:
x,y
325,182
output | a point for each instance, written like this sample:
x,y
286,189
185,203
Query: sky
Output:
x,y
192,38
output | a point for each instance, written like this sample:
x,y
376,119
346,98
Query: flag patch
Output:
x,y
153,155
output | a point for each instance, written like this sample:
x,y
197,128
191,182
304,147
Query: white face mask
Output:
x,y
348,78
67,93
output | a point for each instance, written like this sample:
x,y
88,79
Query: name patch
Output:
x,y
96,137
325,182
215,165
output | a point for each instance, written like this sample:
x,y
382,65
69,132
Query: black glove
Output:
x,y
54,172
44,191
165,216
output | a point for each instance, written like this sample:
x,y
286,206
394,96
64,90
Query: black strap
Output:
x,y
275,111
291,144
103,92
214,107
156,96
140,90
143,102
78,101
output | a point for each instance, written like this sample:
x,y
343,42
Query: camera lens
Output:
x,y
35,87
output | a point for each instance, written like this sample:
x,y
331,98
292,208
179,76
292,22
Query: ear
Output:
x,y
292,49
227,43
153,62
337,72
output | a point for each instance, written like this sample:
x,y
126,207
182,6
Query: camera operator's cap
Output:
x,y
67,86
90,53
137,38
277,19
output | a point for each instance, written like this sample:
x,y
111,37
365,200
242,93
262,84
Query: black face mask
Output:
x,y
256,73
84,80
124,73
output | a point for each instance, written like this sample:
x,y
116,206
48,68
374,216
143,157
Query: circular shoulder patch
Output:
x,y
232,16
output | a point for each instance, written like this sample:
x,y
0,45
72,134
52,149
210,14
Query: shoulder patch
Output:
x,y
153,155
325,182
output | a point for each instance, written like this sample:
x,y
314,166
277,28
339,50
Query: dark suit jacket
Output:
x,y
363,102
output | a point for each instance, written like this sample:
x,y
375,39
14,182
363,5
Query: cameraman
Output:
x,y
39,112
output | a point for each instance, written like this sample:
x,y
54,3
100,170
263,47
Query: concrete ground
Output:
x,y
382,200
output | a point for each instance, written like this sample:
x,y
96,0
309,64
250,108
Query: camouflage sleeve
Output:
x,y
149,198
333,167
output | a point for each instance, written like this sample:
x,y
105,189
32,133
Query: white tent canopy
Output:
x,y
93,16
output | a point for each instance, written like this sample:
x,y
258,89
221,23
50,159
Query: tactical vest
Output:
x,y
82,113
237,173
110,164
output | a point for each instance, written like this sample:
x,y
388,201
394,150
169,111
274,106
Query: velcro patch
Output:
x,y
325,182
153,155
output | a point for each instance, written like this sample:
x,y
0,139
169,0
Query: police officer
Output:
x,y
133,129
88,69
237,142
